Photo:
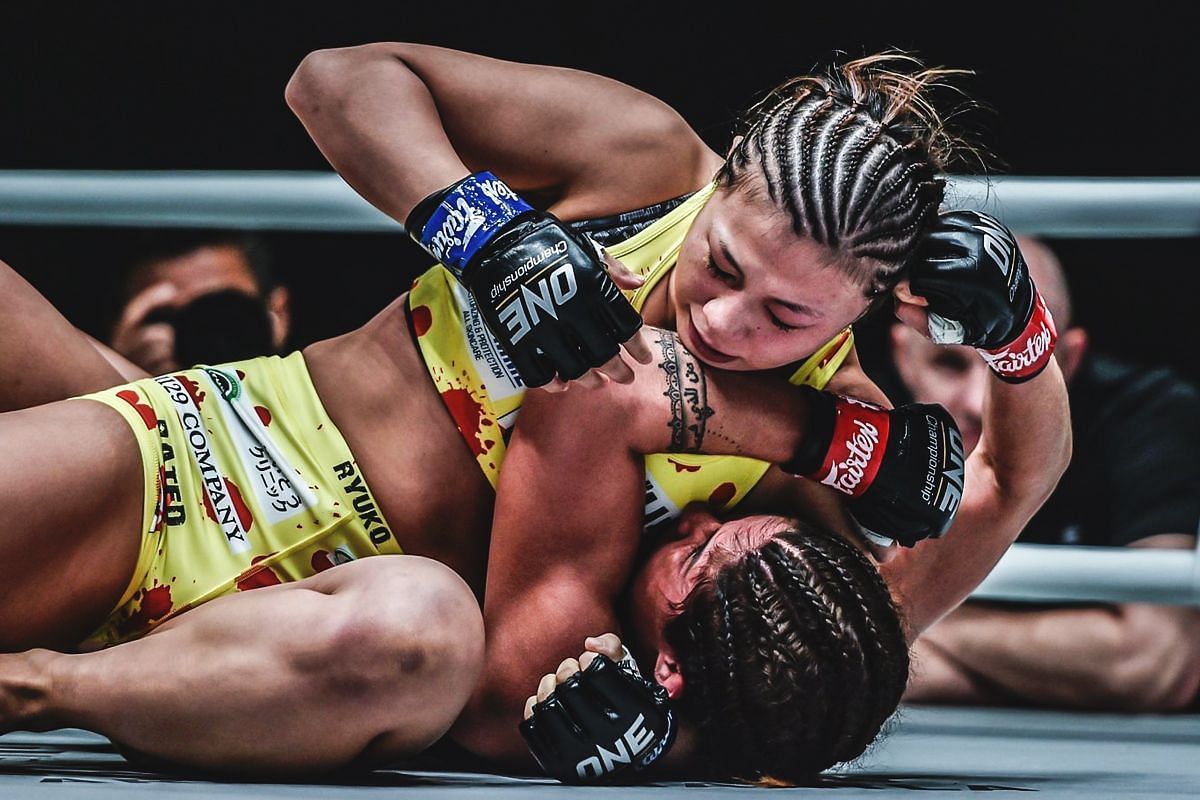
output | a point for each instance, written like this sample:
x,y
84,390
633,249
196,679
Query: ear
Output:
x,y
667,674
732,147
280,312
1071,347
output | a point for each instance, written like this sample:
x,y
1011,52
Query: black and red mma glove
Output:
x,y
902,469
980,294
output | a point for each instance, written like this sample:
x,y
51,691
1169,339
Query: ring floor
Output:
x,y
1000,752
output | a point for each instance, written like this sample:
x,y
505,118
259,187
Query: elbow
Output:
x,y
311,82
325,75
1150,678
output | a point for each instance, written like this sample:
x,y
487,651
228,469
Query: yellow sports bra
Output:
x,y
483,392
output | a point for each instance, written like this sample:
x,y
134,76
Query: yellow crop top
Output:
x,y
483,392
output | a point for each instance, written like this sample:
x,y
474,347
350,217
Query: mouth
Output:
x,y
705,350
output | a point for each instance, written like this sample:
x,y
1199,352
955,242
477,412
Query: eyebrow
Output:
x,y
799,308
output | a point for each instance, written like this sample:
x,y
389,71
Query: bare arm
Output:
x,y
43,357
1024,449
399,121
1130,657
568,516
851,381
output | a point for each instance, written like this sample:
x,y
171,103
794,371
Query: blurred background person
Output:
x,y
196,297
1134,480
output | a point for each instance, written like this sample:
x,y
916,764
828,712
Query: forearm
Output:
x,y
401,120
676,403
1059,656
937,677
1025,447
1026,439
377,123
564,539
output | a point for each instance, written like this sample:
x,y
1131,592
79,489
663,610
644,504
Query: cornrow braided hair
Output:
x,y
793,657
852,155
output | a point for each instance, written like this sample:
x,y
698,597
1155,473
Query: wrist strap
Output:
x,y
844,443
455,223
818,433
860,437
1028,354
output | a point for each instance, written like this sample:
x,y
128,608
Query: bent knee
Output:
x,y
409,636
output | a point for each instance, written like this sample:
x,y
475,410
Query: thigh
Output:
x,y
369,661
71,485
43,357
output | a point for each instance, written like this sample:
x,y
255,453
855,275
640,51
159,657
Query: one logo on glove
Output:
x,y
524,312
997,243
623,751
458,228
501,286
1009,363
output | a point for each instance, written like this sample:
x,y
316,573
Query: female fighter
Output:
x,y
287,430
778,641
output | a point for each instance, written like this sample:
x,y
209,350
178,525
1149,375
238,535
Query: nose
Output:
x,y
696,520
725,318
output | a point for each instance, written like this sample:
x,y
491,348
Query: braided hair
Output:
x,y
852,156
793,657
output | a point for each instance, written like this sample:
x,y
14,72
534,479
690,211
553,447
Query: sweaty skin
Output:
x,y
533,616
376,389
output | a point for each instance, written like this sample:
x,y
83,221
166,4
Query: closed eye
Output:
x,y
717,272
778,323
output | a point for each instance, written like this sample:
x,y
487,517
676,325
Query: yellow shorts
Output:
x,y
248,484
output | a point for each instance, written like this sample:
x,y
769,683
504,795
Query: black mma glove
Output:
x,y
542,289
980,294
604,724
903,469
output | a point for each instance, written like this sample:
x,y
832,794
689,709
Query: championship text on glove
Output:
x,y
902,469
541,289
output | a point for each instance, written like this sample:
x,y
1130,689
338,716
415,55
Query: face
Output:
x,y
953,375
143,336
697,545
747,293
205,270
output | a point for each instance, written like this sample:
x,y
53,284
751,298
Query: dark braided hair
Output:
x,y
852,156
793,657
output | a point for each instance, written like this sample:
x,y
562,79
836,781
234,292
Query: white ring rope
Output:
x,y
1055,207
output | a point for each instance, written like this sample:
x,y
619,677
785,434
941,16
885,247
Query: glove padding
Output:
x,y
604,724
972,273
903,468
915,494
981,294
541,289
561,315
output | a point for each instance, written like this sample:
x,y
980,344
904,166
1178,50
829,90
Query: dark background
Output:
x,y
1075,91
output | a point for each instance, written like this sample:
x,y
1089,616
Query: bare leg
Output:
x,y
71,490
43,357
372,659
